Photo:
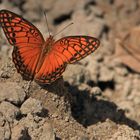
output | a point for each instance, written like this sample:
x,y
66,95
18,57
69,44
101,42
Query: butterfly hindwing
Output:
x,y
51,69
74,48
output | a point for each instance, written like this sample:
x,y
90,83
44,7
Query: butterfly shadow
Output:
x,y
88,110
57,87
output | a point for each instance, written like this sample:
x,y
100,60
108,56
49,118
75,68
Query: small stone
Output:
x,y
14,95
2,121
5,130
7,134
95,91
1,133
9,111
47,132
106,74
76,74
127,88
32,106
67,119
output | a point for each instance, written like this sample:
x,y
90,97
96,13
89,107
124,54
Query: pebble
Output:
x,y
47,132
32,106
14,93
9,110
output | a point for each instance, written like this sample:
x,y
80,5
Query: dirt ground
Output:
x,y
98,98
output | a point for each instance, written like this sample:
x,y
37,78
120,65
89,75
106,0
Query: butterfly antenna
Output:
x,y
47,22
63,28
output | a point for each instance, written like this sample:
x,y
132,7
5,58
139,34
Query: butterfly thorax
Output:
x,y
48,45
46,48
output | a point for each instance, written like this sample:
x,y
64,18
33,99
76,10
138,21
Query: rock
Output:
x,y
1,133
2,121
93,68
14,93
7,70
9,111
106,74
66,8
109,130
32,106
127,49
95,91
127,106
5,130
125,133
80,138
102,130
20,132
47,132
5,133
76,74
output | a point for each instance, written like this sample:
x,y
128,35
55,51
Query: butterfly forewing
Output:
x,y
18,30
26,39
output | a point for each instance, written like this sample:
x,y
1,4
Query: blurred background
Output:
x,y
112,71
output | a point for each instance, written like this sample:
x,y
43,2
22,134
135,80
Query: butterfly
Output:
x,y
40,60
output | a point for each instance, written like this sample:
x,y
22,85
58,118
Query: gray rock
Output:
x,y
32,106
14,93
9,111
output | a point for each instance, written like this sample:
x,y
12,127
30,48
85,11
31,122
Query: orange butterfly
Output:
x,y
40,60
